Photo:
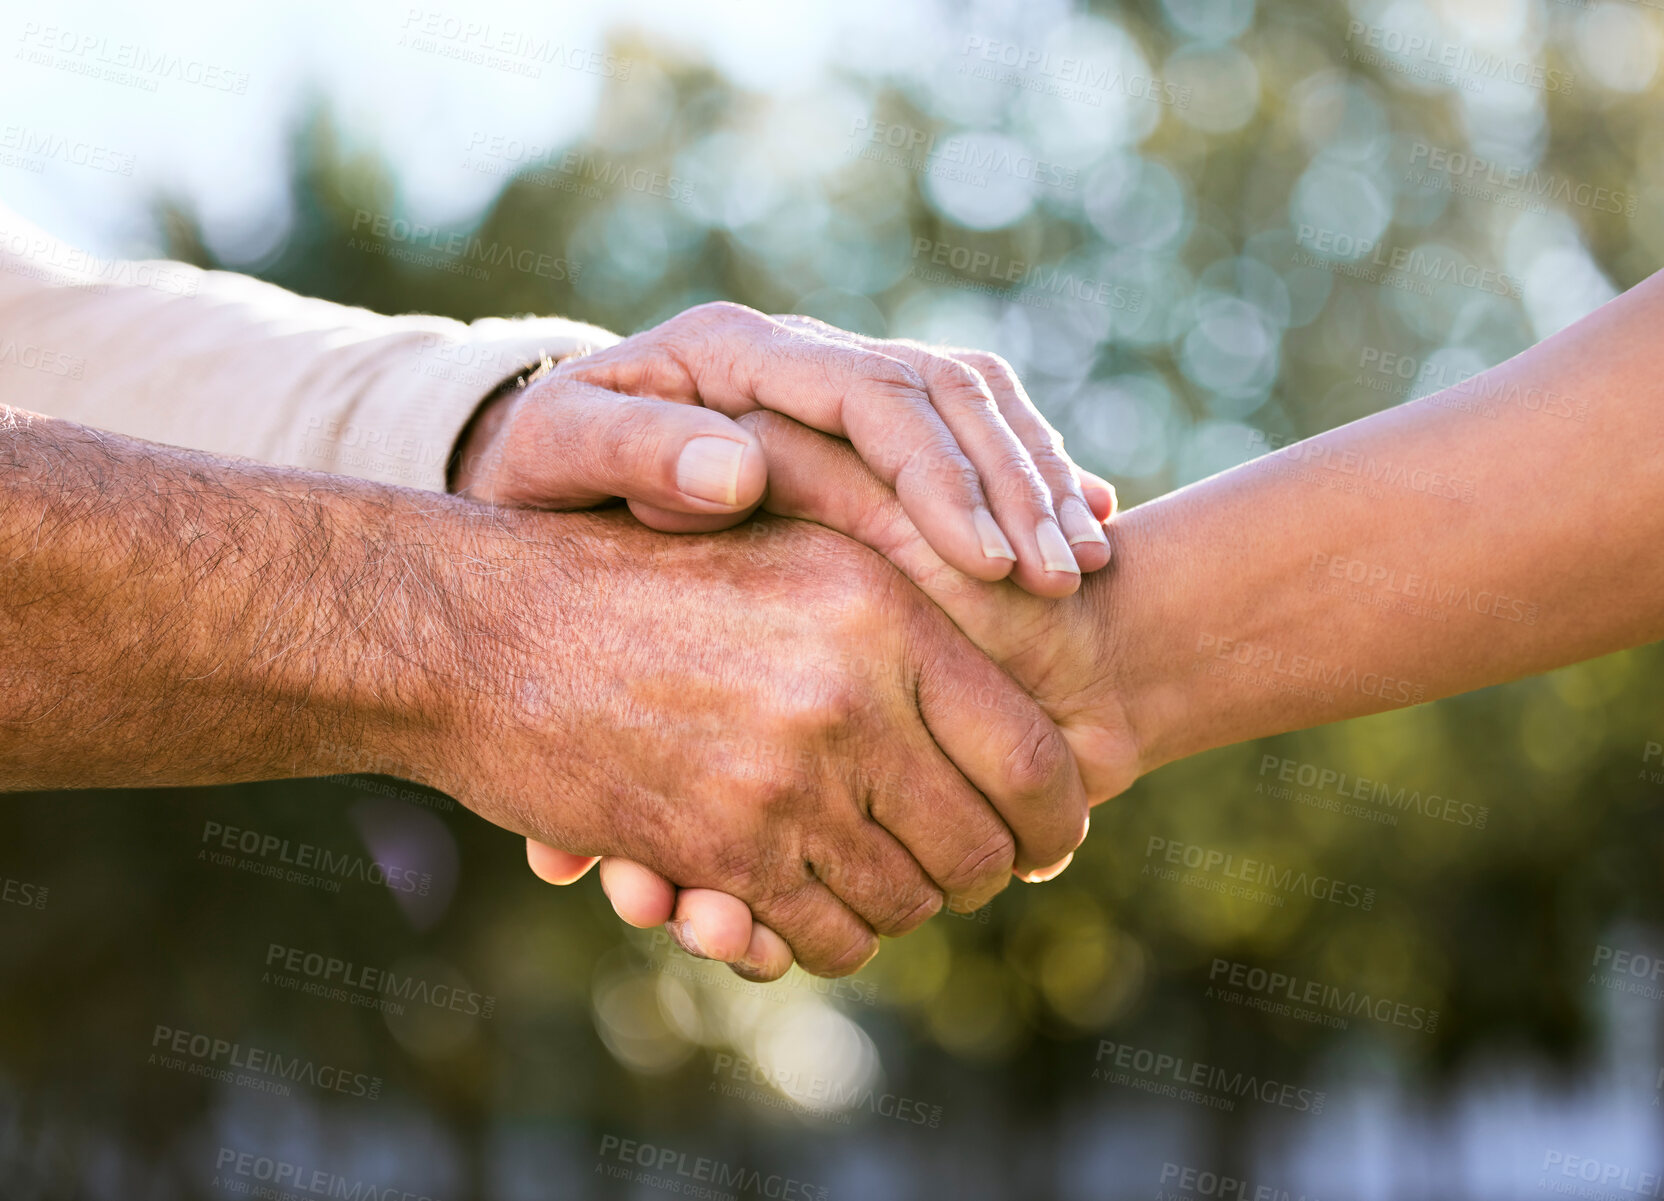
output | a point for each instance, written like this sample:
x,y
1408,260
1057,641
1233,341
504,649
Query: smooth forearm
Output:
x,y
1503,527
166,617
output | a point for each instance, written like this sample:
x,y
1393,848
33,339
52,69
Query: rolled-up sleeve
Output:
x,y
221,362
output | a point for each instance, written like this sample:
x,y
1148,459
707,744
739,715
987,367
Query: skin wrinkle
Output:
x,y
250,621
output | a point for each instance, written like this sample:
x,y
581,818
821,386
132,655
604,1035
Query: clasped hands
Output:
x,y
783,745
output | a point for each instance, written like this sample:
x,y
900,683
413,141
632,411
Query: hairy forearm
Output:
x,y
1503,527
168,617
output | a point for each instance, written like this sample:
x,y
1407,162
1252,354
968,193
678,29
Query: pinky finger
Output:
x,y
555,866
1099,493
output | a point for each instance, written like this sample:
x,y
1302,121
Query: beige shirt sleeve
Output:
x,y
220,362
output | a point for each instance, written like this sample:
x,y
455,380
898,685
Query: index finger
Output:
x,y
1006,746
880,404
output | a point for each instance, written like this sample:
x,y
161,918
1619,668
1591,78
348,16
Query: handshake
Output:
x,y
865,644
785,745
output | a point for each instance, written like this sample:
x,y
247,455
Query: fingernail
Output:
x,y
995,545
682,931
1079,524
994,541
750,971
1042,874
709,469
1055,554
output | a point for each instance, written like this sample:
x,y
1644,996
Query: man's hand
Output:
x,y
771,712
580,435
781,717
974,464
1057,649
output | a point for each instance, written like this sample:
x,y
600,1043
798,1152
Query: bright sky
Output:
x,y
417,105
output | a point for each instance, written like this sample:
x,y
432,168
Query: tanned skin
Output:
x,y
707,706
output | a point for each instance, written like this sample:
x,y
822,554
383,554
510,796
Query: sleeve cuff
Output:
x,y
426,386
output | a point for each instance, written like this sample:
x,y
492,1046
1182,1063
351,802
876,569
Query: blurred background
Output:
x,y
1199,229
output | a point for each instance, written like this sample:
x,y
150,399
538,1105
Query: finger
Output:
x,y
1005,745
711,924
740,360
1099,493
1038,793
872,873
556,866
767,958
821,479
1084,532
1018,493
671,522
824,935
951,830
640,896
570,444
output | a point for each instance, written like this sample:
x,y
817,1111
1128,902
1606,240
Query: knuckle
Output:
x,y
912,910
804,324
999,376
859,949
865,589
896,897
825,939
970,899
1056,469
787,905
1036,761
716,312
1017,479
1049,458
986,363
963,386
832,711
888,375
938,467
694,334
843,682
773,796
986,864
741,867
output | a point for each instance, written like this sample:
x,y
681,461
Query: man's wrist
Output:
x,y
458,581
385,684
474,445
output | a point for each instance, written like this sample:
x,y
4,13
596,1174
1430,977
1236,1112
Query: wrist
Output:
x,y
515,661
478,445
1137,704
390,684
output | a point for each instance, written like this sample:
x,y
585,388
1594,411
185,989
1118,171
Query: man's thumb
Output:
x,y
570,445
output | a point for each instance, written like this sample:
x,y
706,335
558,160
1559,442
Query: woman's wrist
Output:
x,y
1126,714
